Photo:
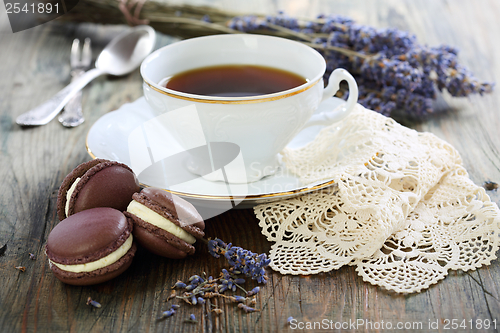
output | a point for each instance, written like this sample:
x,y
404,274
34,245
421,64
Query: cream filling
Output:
x,y
159,221
69,193
103,262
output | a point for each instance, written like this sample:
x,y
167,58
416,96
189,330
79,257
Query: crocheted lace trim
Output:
x,y
403,209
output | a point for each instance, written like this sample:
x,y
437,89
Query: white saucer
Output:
x,y
110,135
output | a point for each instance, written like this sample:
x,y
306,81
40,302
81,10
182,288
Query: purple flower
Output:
x,y
244,261
381,60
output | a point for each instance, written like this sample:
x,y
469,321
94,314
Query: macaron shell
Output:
x,y
112,186
77,172
167,211
173,208
156,244
159,241
102,183
180,209
88,236
99,275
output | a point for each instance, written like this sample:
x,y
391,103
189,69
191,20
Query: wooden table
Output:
x,y
34,64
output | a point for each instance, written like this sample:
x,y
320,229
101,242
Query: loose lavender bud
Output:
x,y
192,317
246,308
253,291
167,313
239,281
289,319
239,298
175,306
193,278
93,303
201,300
179,284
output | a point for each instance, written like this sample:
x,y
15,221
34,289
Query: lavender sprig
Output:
x,y
200,289
242,261
393,71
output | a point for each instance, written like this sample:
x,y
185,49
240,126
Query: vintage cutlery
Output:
x,y
80,60
121,56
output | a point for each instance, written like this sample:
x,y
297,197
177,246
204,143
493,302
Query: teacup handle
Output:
x,y
327,118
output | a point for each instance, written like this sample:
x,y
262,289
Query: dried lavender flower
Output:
x,y
166,314
32,256
246,308
253,291
194,278
179,284
241,260
393,71
239,281
215,246
93,303
191,319
239,299
201,288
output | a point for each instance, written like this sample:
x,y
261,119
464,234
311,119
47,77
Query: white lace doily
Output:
x,y
403,209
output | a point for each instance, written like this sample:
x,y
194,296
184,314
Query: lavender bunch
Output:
x,y
242,261
393,71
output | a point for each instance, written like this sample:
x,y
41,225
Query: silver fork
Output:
x,y
72,114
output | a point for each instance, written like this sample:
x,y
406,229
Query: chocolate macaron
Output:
x,y
91,246
164,223
96,183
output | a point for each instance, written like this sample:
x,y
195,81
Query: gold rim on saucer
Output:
x,y
230,197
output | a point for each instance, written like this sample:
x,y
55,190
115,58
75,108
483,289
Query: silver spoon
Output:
x,y
121,56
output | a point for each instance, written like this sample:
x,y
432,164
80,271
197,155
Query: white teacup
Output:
x,y
261,126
